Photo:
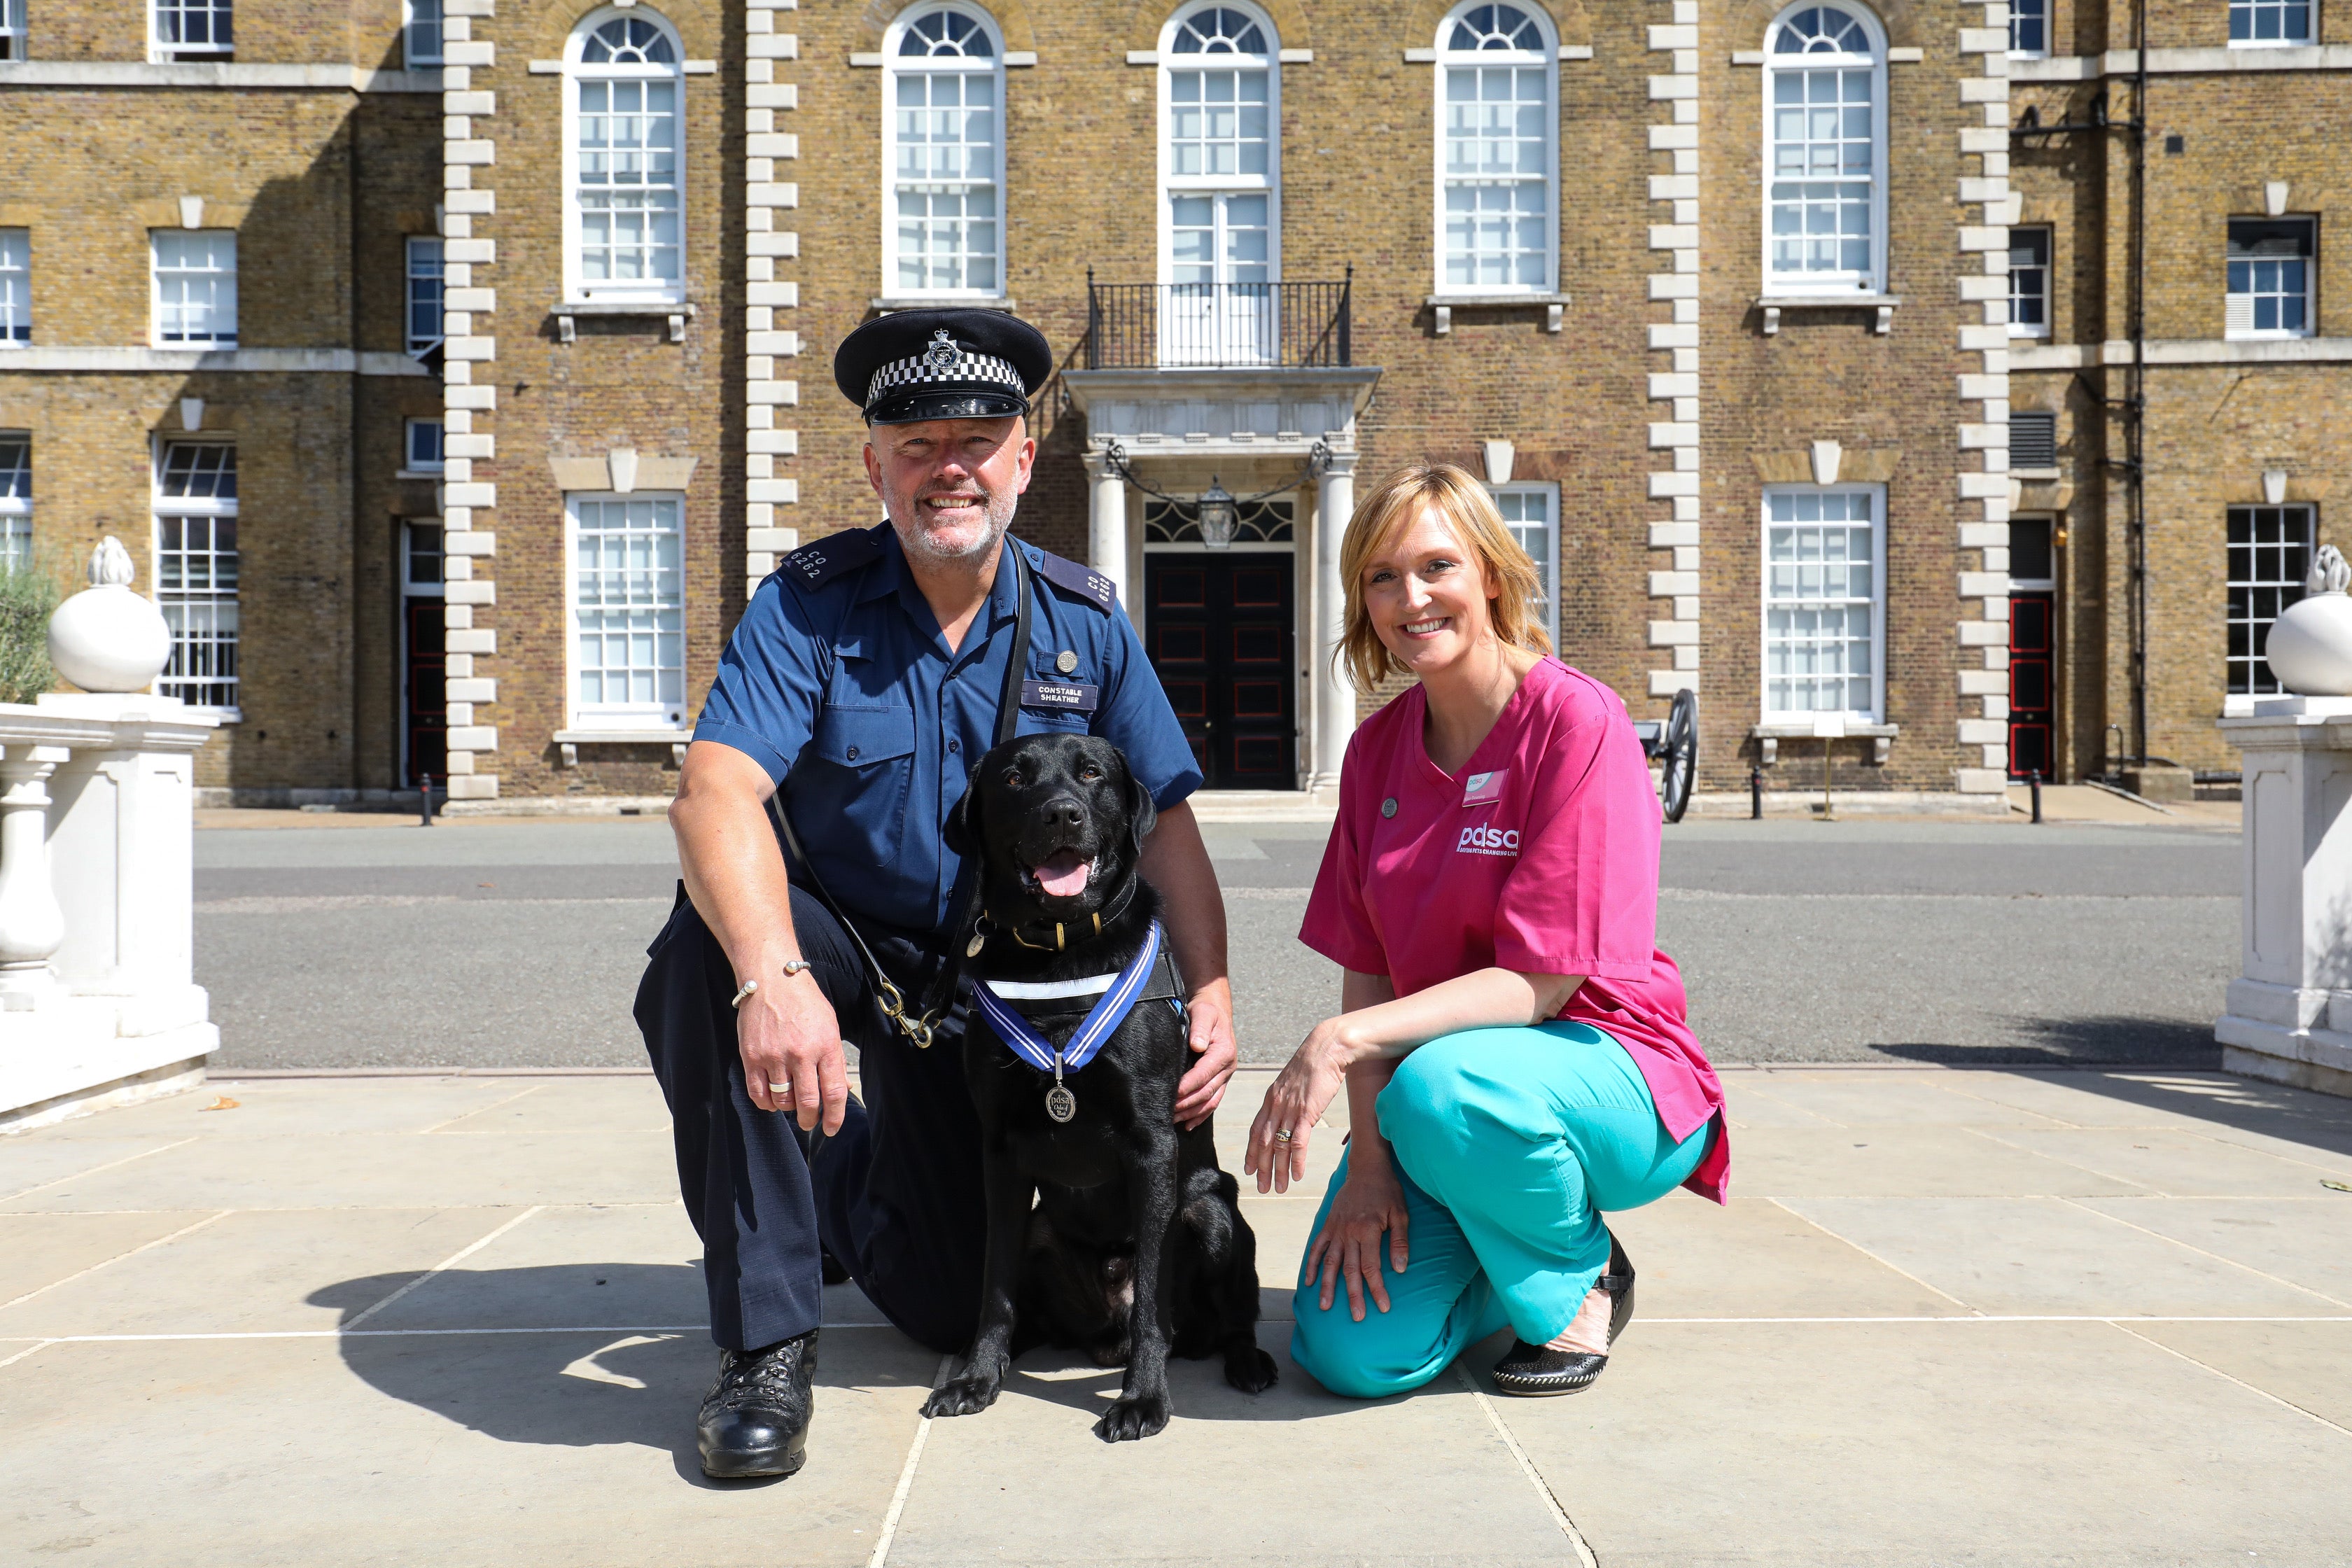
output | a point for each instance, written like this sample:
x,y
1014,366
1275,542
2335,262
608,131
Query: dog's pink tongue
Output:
x,y
1065,876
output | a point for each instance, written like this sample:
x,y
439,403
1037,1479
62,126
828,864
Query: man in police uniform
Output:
x,y
862,684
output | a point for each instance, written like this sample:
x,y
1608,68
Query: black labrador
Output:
x,y
1135,1245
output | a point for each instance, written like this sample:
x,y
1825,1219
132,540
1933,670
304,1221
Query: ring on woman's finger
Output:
x,y
1282,1134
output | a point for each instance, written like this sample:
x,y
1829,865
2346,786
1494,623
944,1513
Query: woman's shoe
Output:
x,y
1534,1371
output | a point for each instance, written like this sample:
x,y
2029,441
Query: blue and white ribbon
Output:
x,y
1101,1022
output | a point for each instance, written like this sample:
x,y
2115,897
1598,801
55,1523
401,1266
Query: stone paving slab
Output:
x,y
458,1321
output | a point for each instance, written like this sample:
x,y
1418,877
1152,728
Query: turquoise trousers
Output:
x,y
1509,1142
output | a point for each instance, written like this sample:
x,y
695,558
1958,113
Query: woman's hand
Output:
x,y
1300,1093
1369,1202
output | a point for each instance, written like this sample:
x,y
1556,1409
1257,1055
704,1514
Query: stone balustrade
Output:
x,y
99,1003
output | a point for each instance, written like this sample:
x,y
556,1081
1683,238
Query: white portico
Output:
x,y
1253,428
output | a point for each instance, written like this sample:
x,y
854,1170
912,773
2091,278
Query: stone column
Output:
x,y
2289,1014
1334,700
32,924
1106,526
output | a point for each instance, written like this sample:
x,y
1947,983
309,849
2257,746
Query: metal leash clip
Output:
x,y
894,1007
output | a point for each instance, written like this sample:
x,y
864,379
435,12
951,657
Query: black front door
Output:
x,y
2032,684
1219,628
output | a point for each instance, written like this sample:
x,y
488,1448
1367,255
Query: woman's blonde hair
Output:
x,y
1463,504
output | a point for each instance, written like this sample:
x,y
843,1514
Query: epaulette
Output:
x,y
814,565
1083,581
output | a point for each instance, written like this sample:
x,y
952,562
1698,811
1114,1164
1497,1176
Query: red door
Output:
x,y
1219,630
2032,682
427,719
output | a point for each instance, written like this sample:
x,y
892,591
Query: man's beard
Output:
x,y
1000,508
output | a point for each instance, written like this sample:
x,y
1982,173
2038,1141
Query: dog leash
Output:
x,y
920,1025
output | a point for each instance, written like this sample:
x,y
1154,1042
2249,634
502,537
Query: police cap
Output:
x,y
941,365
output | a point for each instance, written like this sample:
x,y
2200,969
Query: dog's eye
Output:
x,y
1013,779
1089,774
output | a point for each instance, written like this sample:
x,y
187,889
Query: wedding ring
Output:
x,y
775,1087
1282,1134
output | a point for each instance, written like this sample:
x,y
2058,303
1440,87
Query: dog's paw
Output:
x,y
1129,1419
963,1396
1249,1369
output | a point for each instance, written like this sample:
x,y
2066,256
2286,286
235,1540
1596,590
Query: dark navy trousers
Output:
x,y
895,1196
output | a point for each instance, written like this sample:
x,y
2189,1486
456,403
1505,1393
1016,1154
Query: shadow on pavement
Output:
x,y
613,1382
2110,1040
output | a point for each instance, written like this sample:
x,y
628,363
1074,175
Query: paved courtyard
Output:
x,y
1951,1317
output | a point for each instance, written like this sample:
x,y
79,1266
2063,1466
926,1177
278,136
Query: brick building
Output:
x,y
1732,303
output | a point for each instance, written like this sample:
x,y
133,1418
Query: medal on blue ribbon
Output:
x,y
1101,1022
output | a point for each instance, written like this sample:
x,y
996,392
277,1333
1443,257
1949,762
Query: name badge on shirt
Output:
x,y
1060,697
1483,789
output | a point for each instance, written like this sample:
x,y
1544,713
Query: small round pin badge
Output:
x,y
1388,806
1066,661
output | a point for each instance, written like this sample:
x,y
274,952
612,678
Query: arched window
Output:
x,y
1824,153
1498,152
943,147
622,161
1220,176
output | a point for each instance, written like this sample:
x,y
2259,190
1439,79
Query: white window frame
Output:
x,y
2252,8
1877,496
413,248
638,717
2229,310
162,50
421,33
2260,680
17,505
12,31
643,291
1270,182
2042,9
155,271
1546,562
1801,285
1548,56
408,463
15,286
2042,329
210,507
893,68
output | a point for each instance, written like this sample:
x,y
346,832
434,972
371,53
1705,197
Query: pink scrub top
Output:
x,y
1540,856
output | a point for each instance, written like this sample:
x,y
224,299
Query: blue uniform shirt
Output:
x,y
838,683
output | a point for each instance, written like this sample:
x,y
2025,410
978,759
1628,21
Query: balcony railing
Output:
x,y
1169,326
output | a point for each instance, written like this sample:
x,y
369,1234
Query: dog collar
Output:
x,y
1053,936
1101,1022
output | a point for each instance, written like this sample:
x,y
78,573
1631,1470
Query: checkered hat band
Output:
x,y
960,373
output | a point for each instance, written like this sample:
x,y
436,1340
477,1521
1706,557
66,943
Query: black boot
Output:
x,y
755,1420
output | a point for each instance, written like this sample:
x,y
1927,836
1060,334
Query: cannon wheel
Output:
x,y
1679,746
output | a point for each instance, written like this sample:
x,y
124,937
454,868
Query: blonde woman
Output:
x,y
1511,1042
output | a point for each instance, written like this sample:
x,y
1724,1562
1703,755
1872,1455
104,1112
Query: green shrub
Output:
x,y
28,596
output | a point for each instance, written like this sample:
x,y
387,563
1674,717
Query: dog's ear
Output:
x,y
962,830
1141,812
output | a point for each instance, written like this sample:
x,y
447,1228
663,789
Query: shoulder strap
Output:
x,y
1083,582
917,1027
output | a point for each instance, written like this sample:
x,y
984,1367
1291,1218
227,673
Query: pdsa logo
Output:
x,y
1487,840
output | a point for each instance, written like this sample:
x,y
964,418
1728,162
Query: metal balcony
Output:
x,y
1193,326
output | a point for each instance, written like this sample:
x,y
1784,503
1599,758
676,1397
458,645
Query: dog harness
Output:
x,y
999,1003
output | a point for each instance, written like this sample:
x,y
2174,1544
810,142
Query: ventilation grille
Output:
x,y
2033,440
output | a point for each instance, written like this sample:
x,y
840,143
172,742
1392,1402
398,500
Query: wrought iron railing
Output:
x,y
1134,326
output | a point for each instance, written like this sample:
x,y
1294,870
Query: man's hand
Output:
x,y
1211,1011
790,1042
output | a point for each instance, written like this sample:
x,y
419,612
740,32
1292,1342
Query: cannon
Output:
x,y
1674,740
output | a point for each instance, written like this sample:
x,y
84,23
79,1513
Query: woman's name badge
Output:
x,y
1483,789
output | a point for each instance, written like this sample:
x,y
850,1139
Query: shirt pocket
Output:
x,y
869,754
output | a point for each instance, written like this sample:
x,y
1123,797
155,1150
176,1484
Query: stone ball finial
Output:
x,y
2310,645
107,637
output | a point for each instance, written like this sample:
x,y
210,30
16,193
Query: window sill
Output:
x,y
1442,306
2036,335
1772,305
1768,735
622,737
2266,337
567,313
196,346
2037,474
941,303
435,475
